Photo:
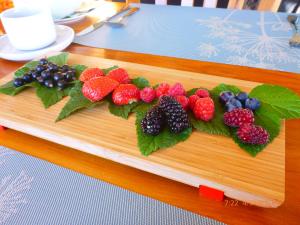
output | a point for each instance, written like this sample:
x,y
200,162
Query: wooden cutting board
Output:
x,y
203,159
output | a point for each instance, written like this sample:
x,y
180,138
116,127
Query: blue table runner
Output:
x,y
238,37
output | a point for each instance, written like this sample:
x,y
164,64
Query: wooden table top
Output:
x,y
177,194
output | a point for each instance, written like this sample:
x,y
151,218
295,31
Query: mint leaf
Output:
x,y
278,100
106,71
79,69
60,59
76,102
121,110
147,143
49,96
140,82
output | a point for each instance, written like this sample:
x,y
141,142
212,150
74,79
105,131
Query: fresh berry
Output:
x,y
35,74
238,117
119,75
252,104
252,134
27,78
65,68
46,74
177,90
202,93
242,96
18,82
183,100
153,122
40,79
70,76
52,67
40,68
192,101
148,94
225,96
233,104
204,109
90,73
61,84
98,88
176,116
126,94
58,76
43,61
49,83
162,89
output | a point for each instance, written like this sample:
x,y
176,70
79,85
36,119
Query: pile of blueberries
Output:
x,y
240,100
48,74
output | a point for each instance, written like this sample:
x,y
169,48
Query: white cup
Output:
x,y
29,28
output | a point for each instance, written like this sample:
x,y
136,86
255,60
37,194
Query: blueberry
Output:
x,y
43,61
27,78
233,104
46,74
57,76
52,67
40,79
242,96
61,84
40,68
252,103
18,82
65,68
225,96
70,76
49,83
35,74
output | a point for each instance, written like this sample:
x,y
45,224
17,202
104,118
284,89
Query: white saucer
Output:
x,y
65,36
72,19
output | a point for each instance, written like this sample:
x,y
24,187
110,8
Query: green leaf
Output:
x,y
191,92
79,69
278,100
76,102
148,144
106,71
140,82
122,110
60,59
225,87
10,89
49,96
26,68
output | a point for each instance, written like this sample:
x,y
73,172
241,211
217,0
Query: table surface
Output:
x,y
183,196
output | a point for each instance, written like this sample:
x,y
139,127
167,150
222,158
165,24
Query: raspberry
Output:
x,y
162,89
176,90
192,101
252,134
90,73
119,75
153,122
184,101
97,88
204,109
238,117
126,94
176,116
202,93
148,94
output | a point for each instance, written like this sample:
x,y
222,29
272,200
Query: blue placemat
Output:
x,y
239,37
35,192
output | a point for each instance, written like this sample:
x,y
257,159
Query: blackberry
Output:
x,y
153,122
176,116
252,134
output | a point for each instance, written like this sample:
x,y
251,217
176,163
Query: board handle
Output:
x,y
211,193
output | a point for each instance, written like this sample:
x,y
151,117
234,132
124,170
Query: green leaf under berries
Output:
x,y
140,82
26,68
79,69
121,110
76,102
225,87
60,59
10,89
106,71
278,100
147,143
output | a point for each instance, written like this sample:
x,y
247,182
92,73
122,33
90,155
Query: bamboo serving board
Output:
x,y
203,159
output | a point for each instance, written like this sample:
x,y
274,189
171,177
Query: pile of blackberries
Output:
x,y
48,74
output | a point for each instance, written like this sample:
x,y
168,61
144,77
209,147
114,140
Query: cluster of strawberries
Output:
x,y
97,86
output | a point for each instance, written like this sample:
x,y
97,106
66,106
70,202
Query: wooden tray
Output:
x,y
203,159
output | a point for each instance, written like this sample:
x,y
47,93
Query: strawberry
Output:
x,y
162,89
99,87
192,101
119,75
176,90
90,73
183,100
126,94
204,109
